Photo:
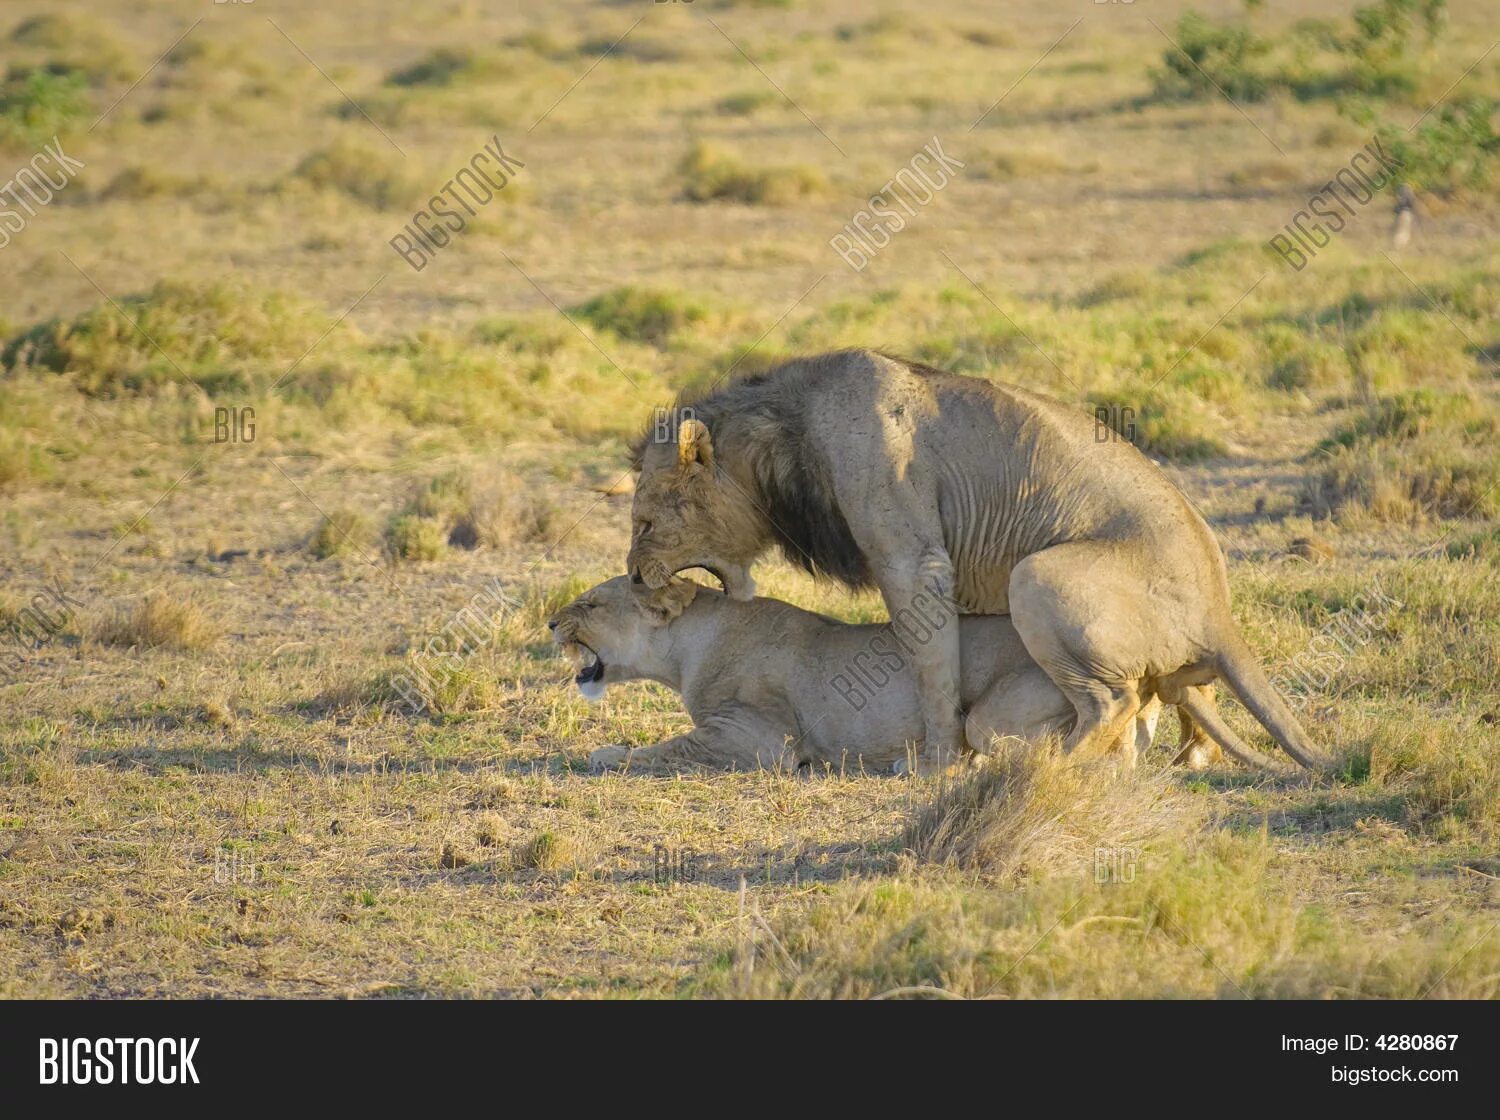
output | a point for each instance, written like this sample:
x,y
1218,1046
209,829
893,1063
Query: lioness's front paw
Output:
x,y
608,758
929,766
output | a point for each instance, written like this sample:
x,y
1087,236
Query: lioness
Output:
x,y
760,679
985,498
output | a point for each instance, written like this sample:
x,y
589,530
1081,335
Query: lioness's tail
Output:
x,y
1207,716
1238,667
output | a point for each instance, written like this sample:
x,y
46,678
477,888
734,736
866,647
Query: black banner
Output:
x,y
279,1052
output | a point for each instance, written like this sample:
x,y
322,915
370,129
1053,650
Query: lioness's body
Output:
x,y
984,498
770,684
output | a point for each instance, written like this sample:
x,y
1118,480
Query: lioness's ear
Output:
x,y
694,444
669,602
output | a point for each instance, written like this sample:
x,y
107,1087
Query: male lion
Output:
x,y
761,679
987,499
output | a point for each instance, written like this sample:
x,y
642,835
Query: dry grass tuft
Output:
x,y
217,712
160,620
453,857
710,173
343,533
1314,549
83,922
490,829
124,791
548,851
413,537
641,314
1029,811
488,508
506,511
494,791
1410,457
377,178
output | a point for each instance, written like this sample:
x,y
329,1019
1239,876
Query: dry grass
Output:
x,y
414,537
1027,811
364,172
1449,782
1414,456
159,620
266,816
548,851
487,507
343,533
712,173
1200,923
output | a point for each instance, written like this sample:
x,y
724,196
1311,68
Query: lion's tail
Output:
x,y
1237,665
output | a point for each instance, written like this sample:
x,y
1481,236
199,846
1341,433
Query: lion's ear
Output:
x,y
671,600
694,444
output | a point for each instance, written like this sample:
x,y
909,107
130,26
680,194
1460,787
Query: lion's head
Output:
x,y
609,631
688,513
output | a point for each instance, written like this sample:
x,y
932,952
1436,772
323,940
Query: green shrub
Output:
x,y
1483,545
1413,415
744,104
36,105
218,334
149,181
1301,360
640,314
641,46
1456,148
1374,55
1209,57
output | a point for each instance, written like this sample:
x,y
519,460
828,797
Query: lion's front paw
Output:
x,y
608,758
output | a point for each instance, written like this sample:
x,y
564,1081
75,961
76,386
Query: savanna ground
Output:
x,y
210,785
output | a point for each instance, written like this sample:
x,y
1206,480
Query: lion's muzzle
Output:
x,y
649,570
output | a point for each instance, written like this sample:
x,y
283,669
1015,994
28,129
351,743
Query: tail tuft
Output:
x,y
1239,668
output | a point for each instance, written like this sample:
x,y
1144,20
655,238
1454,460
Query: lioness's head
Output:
x,y
688,513
611,631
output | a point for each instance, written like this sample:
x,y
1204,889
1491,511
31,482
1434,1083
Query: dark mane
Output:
x,y
760,419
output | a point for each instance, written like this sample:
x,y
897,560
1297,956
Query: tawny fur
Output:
x,y
993,500
769,684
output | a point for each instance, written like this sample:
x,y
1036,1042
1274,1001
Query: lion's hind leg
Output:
x,y
1083,613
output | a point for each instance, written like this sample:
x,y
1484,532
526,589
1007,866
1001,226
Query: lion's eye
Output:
x,y
642,528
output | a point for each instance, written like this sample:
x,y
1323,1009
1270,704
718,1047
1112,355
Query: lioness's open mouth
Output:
x,y
590,675
593,670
